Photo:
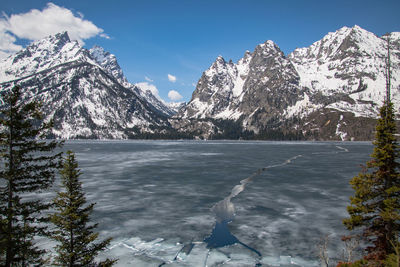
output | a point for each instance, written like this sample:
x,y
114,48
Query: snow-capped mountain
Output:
x,y
350,61
154,99
176,106
109,63
41,55
330,90
85,91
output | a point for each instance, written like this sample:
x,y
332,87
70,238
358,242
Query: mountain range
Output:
x,y
85,91
331,90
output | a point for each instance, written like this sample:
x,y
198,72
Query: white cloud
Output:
x,y
145,86
171,78
103,35
174,95
148,79
37,24
7,44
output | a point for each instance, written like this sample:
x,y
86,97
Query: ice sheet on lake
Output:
x,y
157,207
136,252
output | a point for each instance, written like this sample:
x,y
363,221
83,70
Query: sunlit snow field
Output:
x,y
156,199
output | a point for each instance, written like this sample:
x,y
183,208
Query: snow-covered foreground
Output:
x,y
221,203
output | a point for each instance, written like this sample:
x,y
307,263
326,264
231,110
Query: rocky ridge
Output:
x,y
331,90
85,91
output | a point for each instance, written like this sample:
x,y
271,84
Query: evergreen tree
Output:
x,y
375,205
27,165
75,237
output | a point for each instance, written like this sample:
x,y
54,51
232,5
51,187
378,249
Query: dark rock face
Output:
x,y
268,89
321,92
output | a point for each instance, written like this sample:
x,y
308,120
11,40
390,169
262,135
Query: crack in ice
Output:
x,y
224,211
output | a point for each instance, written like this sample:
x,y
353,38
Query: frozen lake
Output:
x,y
182,203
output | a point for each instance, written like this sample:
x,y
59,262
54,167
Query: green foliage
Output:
x,y
376,202
160,134
231,130
75,237
359,263
393,260
27,165
279,135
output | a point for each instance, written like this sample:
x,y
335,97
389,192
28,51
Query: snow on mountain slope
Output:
x,y
219,89
343,73
330,90
109,63
142,89
243,69
40,55
271,87
349,61
176,106
85,91
231,91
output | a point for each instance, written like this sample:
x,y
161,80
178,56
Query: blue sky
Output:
x,y
154,38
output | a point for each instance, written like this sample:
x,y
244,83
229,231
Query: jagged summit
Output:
x,y
62,36
41,55
337,44
329,90
269,46
109,62
341,75
218,65
246,55
85,91
99,54
52,42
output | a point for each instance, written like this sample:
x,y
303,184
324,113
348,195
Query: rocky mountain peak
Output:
x,y
267,58
220,59
361,42
340,44
62,37
40,55
360,31
85,91
99,54
53,43
327,89
394,38
245,59
219,65
268,48
109,62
